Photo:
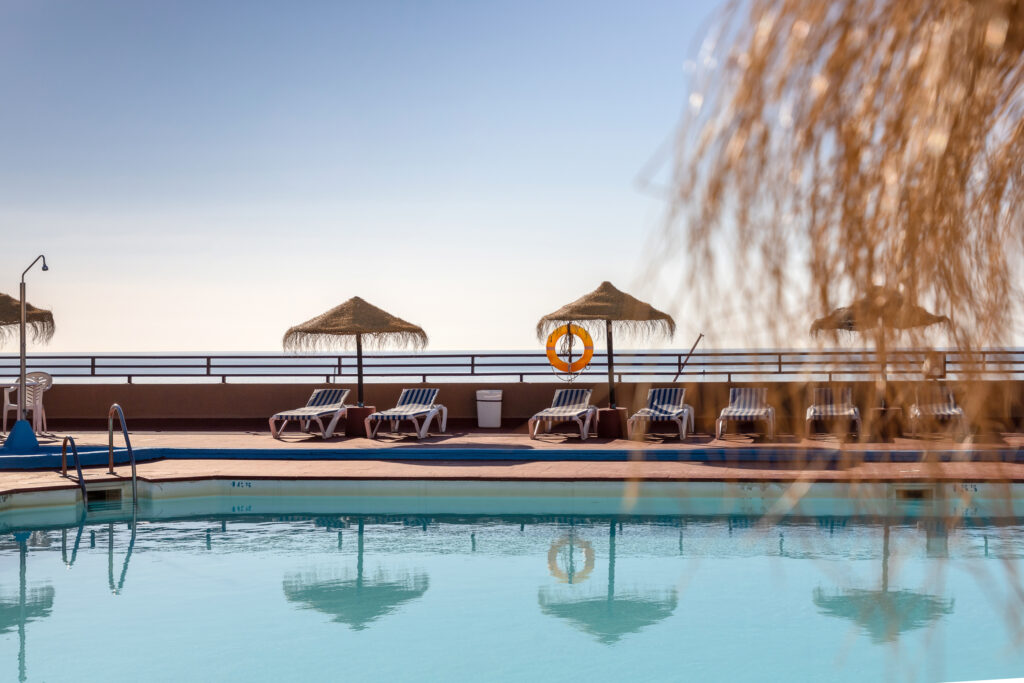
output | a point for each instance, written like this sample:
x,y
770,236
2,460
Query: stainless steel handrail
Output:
x,y
78,464
115,409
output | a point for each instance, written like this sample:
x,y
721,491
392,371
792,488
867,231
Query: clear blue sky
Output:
x,y
202,175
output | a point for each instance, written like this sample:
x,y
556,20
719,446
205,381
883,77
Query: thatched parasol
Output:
x,y
881,312
37,321
609,617
354,323
882,309
619,312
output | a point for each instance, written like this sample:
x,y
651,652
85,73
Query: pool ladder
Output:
x,y
115,409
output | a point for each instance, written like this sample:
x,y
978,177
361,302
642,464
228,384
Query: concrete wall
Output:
x,y
992,406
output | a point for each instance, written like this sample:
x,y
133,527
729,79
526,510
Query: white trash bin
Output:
x,y
488,408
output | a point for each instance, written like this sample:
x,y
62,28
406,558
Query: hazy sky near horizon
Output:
x,y
203,175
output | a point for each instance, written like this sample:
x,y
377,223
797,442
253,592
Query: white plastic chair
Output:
x,y
36,384
9,402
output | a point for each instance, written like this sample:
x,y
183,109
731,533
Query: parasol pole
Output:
x,y
359,369
611,364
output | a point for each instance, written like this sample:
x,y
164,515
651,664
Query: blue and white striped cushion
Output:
x,y
747,403
568,403
942,403
321,402
825,404
412,403
662,404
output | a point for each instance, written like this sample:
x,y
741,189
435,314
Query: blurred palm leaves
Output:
x,y
844,145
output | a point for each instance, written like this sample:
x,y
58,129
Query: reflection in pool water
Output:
x,y
508,597
352,598
607,616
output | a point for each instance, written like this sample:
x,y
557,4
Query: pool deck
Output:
x,y
519,466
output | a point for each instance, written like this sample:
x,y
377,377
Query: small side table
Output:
x,y
611,423
886,423
354,419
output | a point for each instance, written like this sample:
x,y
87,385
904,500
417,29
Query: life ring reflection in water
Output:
x,y
571,575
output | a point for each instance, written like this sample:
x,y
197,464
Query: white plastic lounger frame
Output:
x,y
824,406
941,406
413,404
569,405
747,404
664,405
322,403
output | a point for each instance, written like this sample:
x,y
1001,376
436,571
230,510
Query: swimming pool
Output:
x,y
268,587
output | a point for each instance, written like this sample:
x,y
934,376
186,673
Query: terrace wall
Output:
x,y
992,406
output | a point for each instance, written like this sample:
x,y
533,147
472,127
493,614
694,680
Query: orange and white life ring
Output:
x,y
578,364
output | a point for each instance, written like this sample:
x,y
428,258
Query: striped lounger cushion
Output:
x,y
663,404
825,406
323,402
412,403
941,403
747,404
567,405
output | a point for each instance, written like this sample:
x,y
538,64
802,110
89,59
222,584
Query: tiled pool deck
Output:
x,y
520,465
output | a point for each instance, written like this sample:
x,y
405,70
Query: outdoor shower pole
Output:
x,y
359,373
21,381
611,365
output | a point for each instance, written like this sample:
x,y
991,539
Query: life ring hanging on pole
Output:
x,y
577,365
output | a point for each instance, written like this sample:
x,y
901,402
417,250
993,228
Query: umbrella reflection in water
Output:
x,y
884,614
31,604
355,599
609,617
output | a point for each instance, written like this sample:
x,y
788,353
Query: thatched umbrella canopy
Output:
x,y
881,309
353,324
39,323
881,312
619,312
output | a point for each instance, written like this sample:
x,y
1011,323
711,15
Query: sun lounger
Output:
x,y
569,405
323,403
939,406
747,404
664,405
824,406
413,404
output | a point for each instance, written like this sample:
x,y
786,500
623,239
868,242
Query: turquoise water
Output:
x,y
293,597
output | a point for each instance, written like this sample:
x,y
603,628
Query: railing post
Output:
x,y
472,365
209,366
92,366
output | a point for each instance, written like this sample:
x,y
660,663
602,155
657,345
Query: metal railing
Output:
x,y
115,409
522,366
78,464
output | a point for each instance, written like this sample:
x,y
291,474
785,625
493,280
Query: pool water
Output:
x,y
415,598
